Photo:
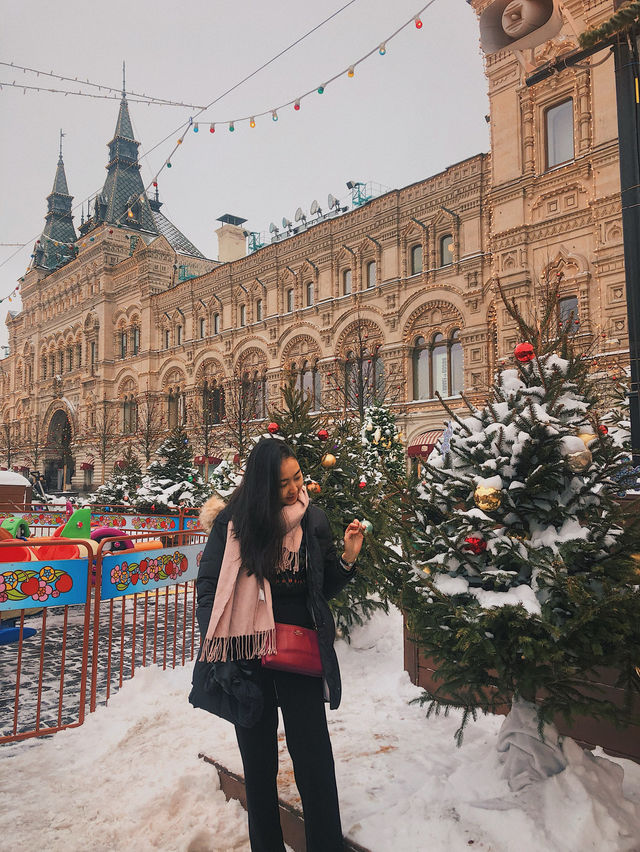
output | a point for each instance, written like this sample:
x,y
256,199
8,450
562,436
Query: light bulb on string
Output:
x,y
418,22
179,142
195,127
321,90
296,105
382,49
351,72
232,127
212,128
274,115
168,166
252,122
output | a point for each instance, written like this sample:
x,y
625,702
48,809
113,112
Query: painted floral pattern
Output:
x,y
142,523
39,585
163,567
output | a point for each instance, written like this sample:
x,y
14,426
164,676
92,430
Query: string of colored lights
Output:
x,y
188,123
191,123
142,97
79,94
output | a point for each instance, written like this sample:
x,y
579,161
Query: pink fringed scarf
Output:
x,y
241,624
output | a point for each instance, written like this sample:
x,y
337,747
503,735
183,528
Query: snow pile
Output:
x,y
130,777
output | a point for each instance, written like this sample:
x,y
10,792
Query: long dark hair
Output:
x,y
256,507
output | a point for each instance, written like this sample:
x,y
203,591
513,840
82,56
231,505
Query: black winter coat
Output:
x,y
325,578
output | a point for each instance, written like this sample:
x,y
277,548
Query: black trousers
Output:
x,y
301,701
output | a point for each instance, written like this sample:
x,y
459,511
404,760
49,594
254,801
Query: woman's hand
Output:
x,y
353,538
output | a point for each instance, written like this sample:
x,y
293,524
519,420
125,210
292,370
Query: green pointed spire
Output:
x,y
52,249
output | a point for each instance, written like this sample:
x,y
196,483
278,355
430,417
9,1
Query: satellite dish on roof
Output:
x,y
315,208
273,228
332,201
300,217
286,223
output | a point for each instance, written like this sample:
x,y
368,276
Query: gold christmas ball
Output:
x,y
587,437
328,460
635,557
487,498
579,462
313,487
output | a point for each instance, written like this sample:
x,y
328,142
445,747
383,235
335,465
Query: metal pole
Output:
x,y
628,97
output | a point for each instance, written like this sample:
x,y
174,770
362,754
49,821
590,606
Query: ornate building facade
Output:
x,y
128,315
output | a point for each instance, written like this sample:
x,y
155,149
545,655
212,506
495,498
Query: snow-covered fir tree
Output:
x,y
524,583
224,478
121,487
384,453
172,480
341,480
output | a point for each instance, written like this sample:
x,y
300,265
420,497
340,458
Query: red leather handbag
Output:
x,y
297,651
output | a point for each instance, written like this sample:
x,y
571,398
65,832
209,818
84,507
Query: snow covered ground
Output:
x,y
130,777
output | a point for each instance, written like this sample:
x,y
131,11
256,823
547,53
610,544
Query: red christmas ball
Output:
x,y
475,545
236,458
362,484
273,428
323,435
603,429
524,352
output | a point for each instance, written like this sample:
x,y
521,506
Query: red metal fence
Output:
x,y
70,658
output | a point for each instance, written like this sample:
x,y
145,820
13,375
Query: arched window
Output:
x,y
371,274
568,314
437,367
363,378
346,282
135,339
79,354
311,383
129,415
123,344
176,408
243,315
258,310
212,402
70,359
309,294
416,259
216,323
290,300
446,250
43,366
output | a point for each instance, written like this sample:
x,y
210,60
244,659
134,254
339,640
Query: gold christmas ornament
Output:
x,y
587,437
579,462
635,557
328,460
313,487
487,498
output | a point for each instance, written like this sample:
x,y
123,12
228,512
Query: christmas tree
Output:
x,y
384,453
172,480
524,584
341,480
122,485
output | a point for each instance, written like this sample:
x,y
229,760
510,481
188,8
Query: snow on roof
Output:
x,y
10,477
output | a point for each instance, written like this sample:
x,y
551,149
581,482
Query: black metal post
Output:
x,y
628,97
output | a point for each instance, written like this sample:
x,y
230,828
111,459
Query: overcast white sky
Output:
x,y
403,117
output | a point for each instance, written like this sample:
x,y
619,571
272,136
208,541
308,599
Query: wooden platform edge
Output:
x,y
291,819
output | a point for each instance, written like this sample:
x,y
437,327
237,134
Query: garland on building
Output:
x,y
525,580
623,18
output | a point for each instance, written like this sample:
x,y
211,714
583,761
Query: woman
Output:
x,y
270,558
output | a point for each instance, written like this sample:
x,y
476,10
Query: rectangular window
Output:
x,y
216,323
179,335
69,359
568,313
416,259
309,293
136,340
259,310
123,344
346,282
371,274
44,366
289,300
93,353
166,339
243,315
201,327
559,133
79,355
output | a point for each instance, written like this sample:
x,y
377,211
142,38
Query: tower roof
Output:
x,y
55,244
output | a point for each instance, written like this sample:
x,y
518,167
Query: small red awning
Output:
x,y
211,459
422,444
86,466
